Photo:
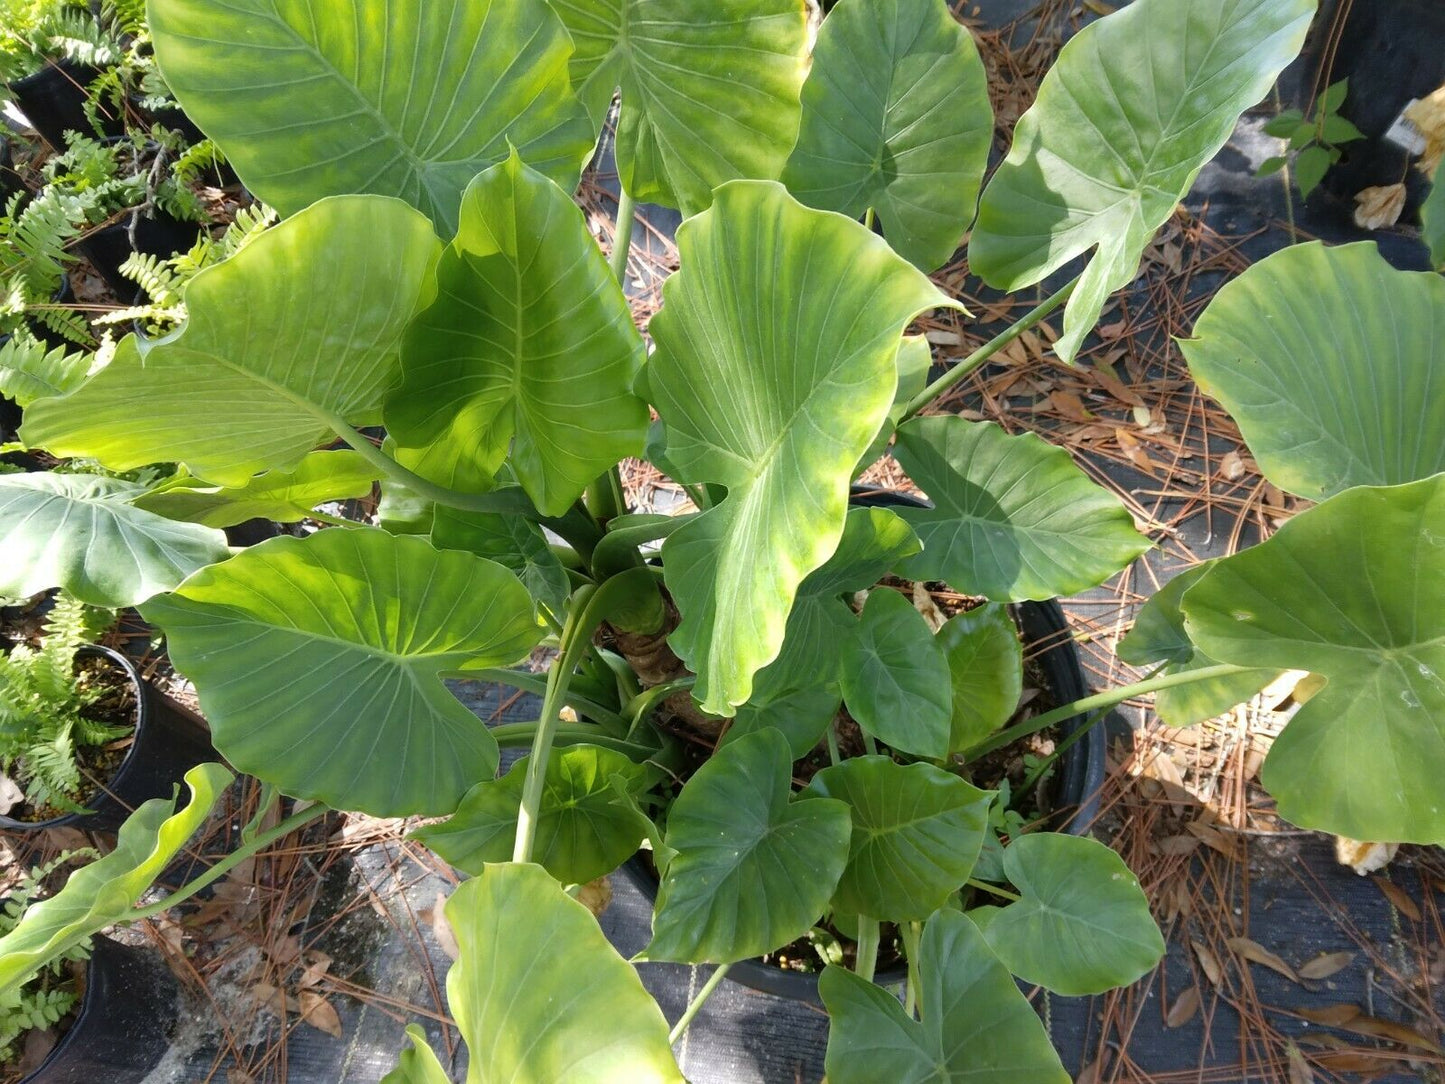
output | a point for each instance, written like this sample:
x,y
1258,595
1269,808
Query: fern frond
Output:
x,y
31,369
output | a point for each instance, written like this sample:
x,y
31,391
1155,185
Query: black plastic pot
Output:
x,y
53,101
11,183
169,741
1078,782
156,234
123,1028
1391,51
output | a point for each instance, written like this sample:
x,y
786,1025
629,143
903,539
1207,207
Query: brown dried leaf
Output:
x,y
1257,953
436,917
1398,898
320,1013
320,963
1185,1006
1428,115
1175,846
270,998
1299,1069
1106,378
1322,967
596,895
924,604
1091,1073
1231,467
1207,962
1070,406
1135,453
1397,1033
1379,207
1335,1016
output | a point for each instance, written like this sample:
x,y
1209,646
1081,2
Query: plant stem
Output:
x,y
713,982
866,961
835,757
645,701
512,735
232,860
1105,699
622,237
532,683
869,745
576,634
912,938
334,521
868,220
994,889
920,401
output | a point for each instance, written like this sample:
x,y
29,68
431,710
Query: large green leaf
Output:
x,y
1432,221
915,357
896,117
313,98
1013,517
775,367
917,832
709,91
283,496
976,1027
585,828
1329,360
300,327
529,348
513,542
80,532
539,994
986,668
1350,591
417,1063
1083,925
318,663
751,870
1158,636
104,892
1133,108
895,677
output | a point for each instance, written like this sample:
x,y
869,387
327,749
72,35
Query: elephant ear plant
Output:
x,y
469,310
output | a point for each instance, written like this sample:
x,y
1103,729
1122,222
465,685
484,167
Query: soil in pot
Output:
x,y
152,232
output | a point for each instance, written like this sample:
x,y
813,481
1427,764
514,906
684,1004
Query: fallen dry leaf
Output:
x,y
1428,115
436,916
270,998
1231,467
1379,207
1257,953
924,604
1207,962
1398,899
1070,406
320,1013
1176,846
1388,1029
1184,1008
595,895
1335,1016
1330,963
1299,1069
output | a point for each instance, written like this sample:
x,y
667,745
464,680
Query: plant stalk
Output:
x,y
695,1005
866,962
648,699
912,941
622,237
513,735
1105,699
984,886
919,402
232,860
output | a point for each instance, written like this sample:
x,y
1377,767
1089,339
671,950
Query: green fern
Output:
x,y
31,369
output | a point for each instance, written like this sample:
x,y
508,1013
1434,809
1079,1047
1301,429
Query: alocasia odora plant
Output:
x,y
433,274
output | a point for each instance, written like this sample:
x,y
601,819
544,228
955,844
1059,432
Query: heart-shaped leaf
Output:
x,y
976,1027
1083,925
1158,636
775,367
590,1024
709,91
513,542
914,358
336,644
80,532
386,96
283,496
1328,358
986,669
751,870
917,832
297,329
1013,517
585,828
529,348
895,677
104,892
1350,591
1133,108
896,117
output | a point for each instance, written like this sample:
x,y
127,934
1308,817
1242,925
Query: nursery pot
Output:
x,y
1079,779
160,234
168,742
123,1028
53,101
1392,51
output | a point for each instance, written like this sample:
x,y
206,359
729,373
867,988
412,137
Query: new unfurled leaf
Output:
x,y
896,117
529,348
585,827
1083,925
775,367
1329,361
895,677
300,327
1133,108
283,496
985,668
80,532
105,891
1013,517
313,98
976,1024
318,664
751,870
917,831
1348,590
709,91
